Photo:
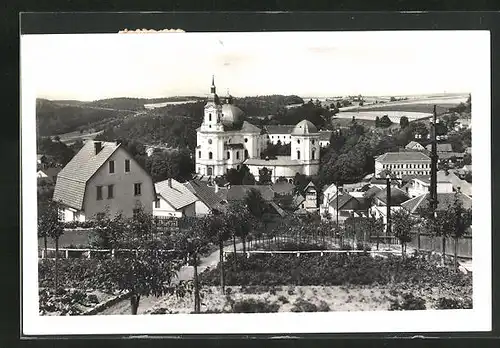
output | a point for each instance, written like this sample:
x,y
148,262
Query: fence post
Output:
x,y
88,254
112,253
43,253
66,253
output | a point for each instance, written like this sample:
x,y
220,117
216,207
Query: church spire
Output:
x,y
212,88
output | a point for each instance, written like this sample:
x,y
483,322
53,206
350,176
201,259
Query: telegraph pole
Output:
x,y
433,188
388,187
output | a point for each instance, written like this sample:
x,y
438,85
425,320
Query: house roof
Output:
x,y
325,135
413,144
398,196
395,157
343,200
50,172
239,192
72,179
205,193
175,193
440,147
444,199
283,188
277,208
372,191
447,155
279,129
464,186
310,185
298,199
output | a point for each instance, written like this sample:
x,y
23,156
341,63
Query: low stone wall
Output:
x,y
106,304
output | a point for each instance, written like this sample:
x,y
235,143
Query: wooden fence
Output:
x,y
427,242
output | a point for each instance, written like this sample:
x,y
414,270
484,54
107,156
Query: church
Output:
x,y
225,140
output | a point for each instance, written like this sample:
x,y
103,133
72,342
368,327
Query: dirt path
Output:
x,y
185,273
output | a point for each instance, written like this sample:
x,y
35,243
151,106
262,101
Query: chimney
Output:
x,y
170,182
97,147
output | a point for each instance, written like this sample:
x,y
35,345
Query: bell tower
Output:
x,y
212,112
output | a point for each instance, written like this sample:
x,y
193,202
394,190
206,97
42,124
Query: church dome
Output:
x,y
304,127
232,115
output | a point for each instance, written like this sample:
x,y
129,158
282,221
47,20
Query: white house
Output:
x,y
279,133
173,199
414,146
209,197
379,204
48,173
324,138
102,177
311,198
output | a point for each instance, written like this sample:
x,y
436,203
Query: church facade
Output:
x,y
225,140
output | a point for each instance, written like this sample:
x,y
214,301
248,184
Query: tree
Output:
x,y
148,267
219,230
402,225
403,122
264,176
467,159
50,226
393,99
385,121
255,203
377,122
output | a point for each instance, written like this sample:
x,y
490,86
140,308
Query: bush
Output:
x,y
283,299
302,305
254,306
409,303
451,303
323,307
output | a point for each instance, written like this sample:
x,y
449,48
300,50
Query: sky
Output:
x,y
97,66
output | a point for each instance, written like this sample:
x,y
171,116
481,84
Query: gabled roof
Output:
x,y
325,135
309,185
414,145
283,188
205,193
444,199
372,191
239,192
343,200
277,208
298,199
175,193
464,186
398,196
395,157
50,172
279,129
440,147
72,179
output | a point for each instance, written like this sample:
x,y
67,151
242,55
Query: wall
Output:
x,y
124,200
201,208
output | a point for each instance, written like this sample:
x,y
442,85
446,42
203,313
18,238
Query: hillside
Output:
x,y
266,105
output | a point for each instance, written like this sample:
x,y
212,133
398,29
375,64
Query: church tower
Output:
x,y
212,112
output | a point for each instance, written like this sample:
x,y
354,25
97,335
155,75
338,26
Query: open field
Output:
x,y
161,105
69,138
300,298
394,116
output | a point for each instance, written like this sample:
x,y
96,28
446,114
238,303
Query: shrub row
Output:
x,y
332,269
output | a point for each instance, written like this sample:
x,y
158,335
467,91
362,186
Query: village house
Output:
x,y
421,185
444,201
173,199
379,203
210,197
457,183
463,123
103,177
414,146
403,163
310,203
239,193
324,138
48,174
347,206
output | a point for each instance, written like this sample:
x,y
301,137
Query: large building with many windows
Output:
x,y
403,163
225,140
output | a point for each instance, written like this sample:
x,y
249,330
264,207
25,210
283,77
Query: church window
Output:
x,y
298,154
210,141
246,140
210,155
209,117
228,155
313,154
237,155
199,154
312,141
298,141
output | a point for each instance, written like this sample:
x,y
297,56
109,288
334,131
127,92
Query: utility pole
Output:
x,y
388,187
337,211
433,188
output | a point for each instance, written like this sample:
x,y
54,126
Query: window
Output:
x,y
199,154
237,155
298,141
298,154
246,140
110,191
312,141
157,203
99,192
127,165
209,141
246,154
209,155
111,167
209,117
137,189
228,155
313,154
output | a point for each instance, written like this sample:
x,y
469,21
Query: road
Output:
x,y
185,273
